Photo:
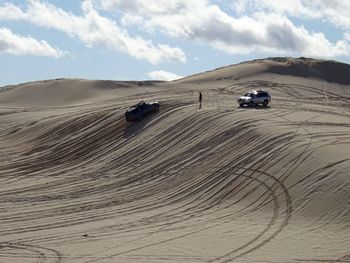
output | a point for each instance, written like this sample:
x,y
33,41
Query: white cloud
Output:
x,y
11,12
240,6
19,45
334,11
129,20
163,75
277,34
265,26
257,26
93,29
150,7
347,36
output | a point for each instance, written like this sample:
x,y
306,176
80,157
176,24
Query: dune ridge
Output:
x,y
189,184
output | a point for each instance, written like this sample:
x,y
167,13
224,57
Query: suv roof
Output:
x,y
259,91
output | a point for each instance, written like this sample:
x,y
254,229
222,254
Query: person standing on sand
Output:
x,y
200,99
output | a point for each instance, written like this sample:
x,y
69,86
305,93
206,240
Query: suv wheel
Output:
x,y
251,104
266,102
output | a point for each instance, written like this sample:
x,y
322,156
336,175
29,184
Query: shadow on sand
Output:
x,y
254,107
132,129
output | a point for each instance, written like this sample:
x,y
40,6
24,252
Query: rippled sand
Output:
x,y
212,184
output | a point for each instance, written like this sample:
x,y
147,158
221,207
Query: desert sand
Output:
x,y
213,184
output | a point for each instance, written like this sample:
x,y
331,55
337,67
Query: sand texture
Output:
x,y
219,183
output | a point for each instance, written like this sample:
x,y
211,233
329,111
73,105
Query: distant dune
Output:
x,y
188,184
60,92
330,71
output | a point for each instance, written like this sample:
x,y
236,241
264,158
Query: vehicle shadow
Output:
x,y
254,107
132,129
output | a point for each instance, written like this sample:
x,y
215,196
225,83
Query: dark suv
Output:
x,y
141,109
254,98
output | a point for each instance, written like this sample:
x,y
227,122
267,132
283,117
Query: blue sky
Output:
x,y
163,39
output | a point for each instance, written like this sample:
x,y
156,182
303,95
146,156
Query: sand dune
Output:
x,y
63,92
216,184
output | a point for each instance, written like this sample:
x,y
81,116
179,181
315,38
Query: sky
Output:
x,y
162,39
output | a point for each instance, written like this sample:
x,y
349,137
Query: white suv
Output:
x,y
254,98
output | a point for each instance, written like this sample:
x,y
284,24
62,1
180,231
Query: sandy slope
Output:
x,y
216,184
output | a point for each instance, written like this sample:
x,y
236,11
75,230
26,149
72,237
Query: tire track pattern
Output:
x,y
168,181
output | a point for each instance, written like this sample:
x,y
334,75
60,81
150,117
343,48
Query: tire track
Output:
x,y
37,253
176,176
